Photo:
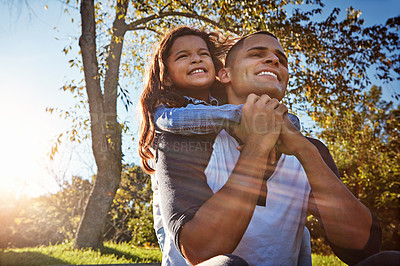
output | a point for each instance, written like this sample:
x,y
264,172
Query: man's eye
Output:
x,y
283,62
256,55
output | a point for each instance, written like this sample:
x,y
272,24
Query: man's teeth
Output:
x,y
267,73
197,71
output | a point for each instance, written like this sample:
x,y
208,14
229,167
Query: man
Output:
x,y
209,190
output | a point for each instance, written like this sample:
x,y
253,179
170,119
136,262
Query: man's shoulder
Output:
x,y
318,144
323,150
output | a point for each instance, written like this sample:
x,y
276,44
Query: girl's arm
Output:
x,y
201,119
197,118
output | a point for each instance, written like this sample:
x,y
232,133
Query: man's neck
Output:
x,y
234,98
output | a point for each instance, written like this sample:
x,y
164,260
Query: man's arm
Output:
x,y
347,222
350,256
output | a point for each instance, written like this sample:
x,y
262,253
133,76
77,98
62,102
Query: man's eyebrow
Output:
x,y
282,54
257,48
263,48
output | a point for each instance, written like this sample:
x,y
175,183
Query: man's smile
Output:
x,y
268,73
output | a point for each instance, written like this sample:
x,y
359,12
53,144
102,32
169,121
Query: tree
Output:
x,y
131,216
329,60
364,141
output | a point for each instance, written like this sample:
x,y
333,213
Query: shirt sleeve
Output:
x,y
197,118
180,165
350,256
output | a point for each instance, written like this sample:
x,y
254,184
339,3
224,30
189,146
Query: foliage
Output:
x,y
54,218
329,58
65,254
131,214
365,143
48,218
330,63
326,260
319,245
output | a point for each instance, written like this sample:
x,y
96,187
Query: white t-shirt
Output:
x,y
275,232
285,211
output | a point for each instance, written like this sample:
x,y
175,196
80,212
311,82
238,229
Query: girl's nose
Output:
x,y
196,59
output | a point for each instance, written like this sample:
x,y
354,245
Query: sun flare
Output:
x,y
23,152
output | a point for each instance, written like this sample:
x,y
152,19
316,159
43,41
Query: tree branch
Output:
x,y
114,58
135,24
147,28
164,7
87,42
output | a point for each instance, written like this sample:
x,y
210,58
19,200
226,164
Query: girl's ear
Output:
x,y
224,75
167,81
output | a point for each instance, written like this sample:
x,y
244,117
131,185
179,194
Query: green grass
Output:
x,y
66,254
326,260
111,254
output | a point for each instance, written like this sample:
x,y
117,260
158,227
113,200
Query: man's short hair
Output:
x,y
230,56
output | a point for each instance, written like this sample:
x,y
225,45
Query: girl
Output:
x,y
182,74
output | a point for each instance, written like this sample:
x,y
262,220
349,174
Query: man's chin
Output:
x,y
274,92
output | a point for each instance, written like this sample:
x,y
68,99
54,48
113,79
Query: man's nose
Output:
x,y
272,59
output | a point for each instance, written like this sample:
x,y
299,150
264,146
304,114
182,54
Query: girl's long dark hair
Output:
x,y
156,92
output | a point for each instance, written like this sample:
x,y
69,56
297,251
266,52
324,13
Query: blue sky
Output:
x,y
33,68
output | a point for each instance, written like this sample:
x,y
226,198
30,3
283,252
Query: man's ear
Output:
x,y
224,75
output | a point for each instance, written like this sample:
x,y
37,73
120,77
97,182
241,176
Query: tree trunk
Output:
x,y
105,130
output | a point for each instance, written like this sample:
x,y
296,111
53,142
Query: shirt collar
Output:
x,y
212,100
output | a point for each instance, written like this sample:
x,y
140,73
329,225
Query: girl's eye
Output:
x,y
181,56
206,54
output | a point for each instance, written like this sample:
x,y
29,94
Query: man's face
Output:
x,y
259,67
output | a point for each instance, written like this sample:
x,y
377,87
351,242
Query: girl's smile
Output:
x,y
190,68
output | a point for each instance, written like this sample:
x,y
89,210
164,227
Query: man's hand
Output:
x,y
262,119
290,141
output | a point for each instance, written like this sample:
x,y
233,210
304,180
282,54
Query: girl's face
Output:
x,y
190,67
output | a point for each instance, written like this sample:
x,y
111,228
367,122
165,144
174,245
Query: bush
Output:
x,y
131,215
45,219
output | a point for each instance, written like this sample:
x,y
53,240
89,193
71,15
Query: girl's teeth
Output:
x,y
197,71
